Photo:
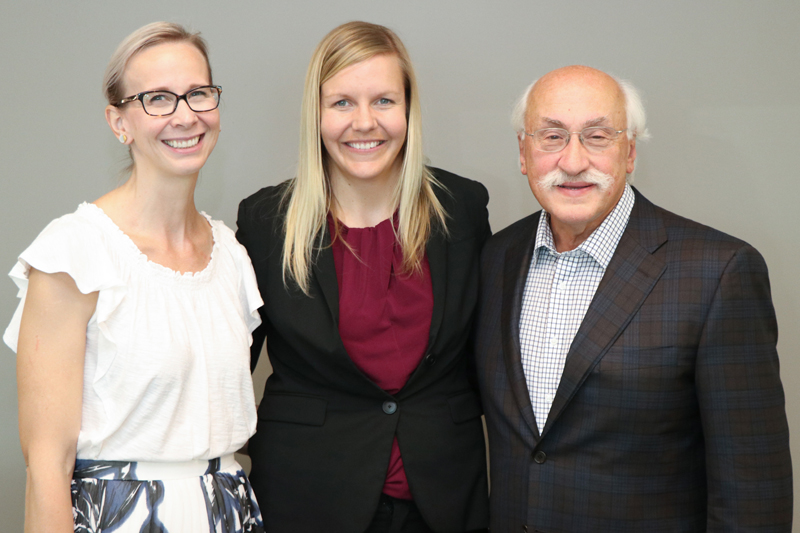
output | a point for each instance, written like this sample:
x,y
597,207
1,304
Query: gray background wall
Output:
x,y
720,80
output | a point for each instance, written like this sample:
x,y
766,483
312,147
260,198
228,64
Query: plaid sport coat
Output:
x,y
670,411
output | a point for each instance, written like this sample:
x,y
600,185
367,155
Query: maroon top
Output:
x,y
384,318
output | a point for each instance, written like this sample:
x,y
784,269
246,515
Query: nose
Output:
x,y
183,114
574,157
364,118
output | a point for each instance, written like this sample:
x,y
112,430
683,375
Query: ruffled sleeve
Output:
x,y
249,294
251,297
73,245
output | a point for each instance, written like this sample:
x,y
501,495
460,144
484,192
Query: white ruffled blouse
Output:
x,y
167,367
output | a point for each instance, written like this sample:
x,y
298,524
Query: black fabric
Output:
x,y
323,469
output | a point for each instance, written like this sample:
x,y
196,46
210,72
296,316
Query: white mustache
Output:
x,y
557,177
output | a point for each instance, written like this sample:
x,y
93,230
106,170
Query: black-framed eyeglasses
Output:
x,y
595,139
161,103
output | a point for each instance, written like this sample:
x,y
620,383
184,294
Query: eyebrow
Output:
x,y
588,124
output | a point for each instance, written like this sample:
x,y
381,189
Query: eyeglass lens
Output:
x,y
165,103
556,139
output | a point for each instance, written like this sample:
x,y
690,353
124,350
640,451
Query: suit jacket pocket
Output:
x,y
465,406
296,409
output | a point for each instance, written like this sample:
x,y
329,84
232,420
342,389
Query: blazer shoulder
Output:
x,y
521,230
455,188
264,205
688,238
465,202
680,228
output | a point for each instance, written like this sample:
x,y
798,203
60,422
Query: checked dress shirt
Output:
x,y
558,291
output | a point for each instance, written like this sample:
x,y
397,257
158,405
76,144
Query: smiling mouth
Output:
x,y
188,143
364,145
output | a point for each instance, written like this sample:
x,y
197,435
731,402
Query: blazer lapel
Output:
x,y
324,270
436,250
515,271
630,277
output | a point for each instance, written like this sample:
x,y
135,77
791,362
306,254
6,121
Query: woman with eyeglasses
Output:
x,y
369,260
133,330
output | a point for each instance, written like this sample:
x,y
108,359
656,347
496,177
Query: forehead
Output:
x,y
166,65
576,100
378,70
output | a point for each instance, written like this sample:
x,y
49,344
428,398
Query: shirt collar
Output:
x,y
603,241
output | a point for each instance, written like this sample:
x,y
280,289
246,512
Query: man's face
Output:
x,y
574,98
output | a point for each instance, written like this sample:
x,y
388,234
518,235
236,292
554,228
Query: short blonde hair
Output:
x,y
309,196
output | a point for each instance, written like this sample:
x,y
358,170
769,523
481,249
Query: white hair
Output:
x,y
634,110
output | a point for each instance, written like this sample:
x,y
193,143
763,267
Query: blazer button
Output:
x,y
389,407
430,359
540,457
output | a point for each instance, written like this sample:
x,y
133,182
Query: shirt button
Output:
x,y
562,286
540,457
389,407
430,359
553,341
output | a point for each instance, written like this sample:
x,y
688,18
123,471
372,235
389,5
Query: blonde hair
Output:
x,y
152,34
309,197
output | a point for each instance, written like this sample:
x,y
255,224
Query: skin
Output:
x,y
155,207
50,384
574,98
364,103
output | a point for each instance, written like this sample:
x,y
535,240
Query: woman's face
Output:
x,y
363,120
176,144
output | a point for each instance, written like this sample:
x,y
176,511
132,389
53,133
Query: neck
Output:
x,y
568,238
363,203
148,203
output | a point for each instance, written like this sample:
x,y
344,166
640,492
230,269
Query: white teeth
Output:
x,y
364,146
183,144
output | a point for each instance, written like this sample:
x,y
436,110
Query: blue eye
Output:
x,y
340,103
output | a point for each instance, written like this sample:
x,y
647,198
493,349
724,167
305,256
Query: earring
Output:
x,y
123,138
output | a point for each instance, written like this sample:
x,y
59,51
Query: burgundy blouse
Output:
x,y
384,317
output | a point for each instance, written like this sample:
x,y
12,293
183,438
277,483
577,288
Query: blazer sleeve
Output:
x,y
748,463
244,233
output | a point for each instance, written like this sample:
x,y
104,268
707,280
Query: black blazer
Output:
x,y
325,430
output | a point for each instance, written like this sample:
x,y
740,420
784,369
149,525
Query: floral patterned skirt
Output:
x,y
197,496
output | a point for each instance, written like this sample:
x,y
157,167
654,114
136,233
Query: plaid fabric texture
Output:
x,y
557,294
669,415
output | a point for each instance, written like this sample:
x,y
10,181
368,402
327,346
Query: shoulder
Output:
x,y
690,241
73,234
464,201
521,230
84,244
680,229
261,214
456,189
265,203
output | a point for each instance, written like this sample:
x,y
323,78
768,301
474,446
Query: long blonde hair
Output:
x,y
309,197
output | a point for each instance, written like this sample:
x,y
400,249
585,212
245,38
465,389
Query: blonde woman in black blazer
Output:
x,y
325,429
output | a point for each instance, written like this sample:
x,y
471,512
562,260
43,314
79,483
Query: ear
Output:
x,y
521,141
116,122
631,155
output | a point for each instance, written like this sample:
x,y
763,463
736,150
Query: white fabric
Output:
x,y
167,367
558,291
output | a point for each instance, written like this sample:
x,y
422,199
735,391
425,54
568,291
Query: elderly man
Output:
x,y
626,355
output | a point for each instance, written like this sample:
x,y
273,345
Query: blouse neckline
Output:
x,y
96,212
